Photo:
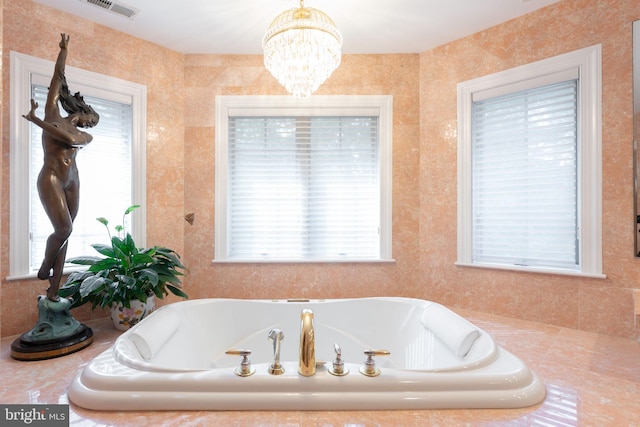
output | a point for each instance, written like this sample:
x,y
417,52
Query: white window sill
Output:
x,y
34,274
533,270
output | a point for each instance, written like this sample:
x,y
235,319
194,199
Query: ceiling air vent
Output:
x,y
114,7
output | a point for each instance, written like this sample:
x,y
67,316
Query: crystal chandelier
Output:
x,y
301,49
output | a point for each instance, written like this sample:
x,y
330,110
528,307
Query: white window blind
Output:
x,y
105,169
524,174
303,188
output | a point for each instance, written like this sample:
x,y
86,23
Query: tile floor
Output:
x,y
592,380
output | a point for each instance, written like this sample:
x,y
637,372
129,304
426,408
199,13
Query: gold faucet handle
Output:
x,y
369,368
371,353
245,369
243,353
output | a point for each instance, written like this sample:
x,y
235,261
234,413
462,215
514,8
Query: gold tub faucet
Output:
x,y
307,354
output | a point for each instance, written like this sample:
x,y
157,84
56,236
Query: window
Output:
x,y
529,167
303,180
111,167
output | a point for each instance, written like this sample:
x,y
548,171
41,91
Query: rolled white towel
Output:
x,y
456,333
150,335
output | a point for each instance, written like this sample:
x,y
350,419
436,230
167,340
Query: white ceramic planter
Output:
x,y
123,318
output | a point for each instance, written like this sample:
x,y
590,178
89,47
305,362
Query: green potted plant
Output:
x,y
125,279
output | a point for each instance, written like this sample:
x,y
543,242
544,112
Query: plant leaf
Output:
x,y
102,264
92,284
103,249
77,277
127,280
120,246
141,259
84,260
177,291
131,245
69,289
151,275
140,294
131,209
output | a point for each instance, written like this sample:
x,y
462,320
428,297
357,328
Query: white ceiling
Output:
x,y
237,26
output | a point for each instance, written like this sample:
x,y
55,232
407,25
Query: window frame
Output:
x,y
25,69
380,105
587,63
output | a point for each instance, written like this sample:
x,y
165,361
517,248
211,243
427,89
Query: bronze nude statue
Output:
x,y
57,333
58,181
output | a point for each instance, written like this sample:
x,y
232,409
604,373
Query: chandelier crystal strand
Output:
x,y
302,47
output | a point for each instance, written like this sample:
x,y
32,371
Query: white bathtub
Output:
x,y
175,359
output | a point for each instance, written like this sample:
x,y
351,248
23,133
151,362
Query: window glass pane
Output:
x,y
524,174
344,190
105,178
303,188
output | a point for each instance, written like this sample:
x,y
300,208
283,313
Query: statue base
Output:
x,y
56,334
21,350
